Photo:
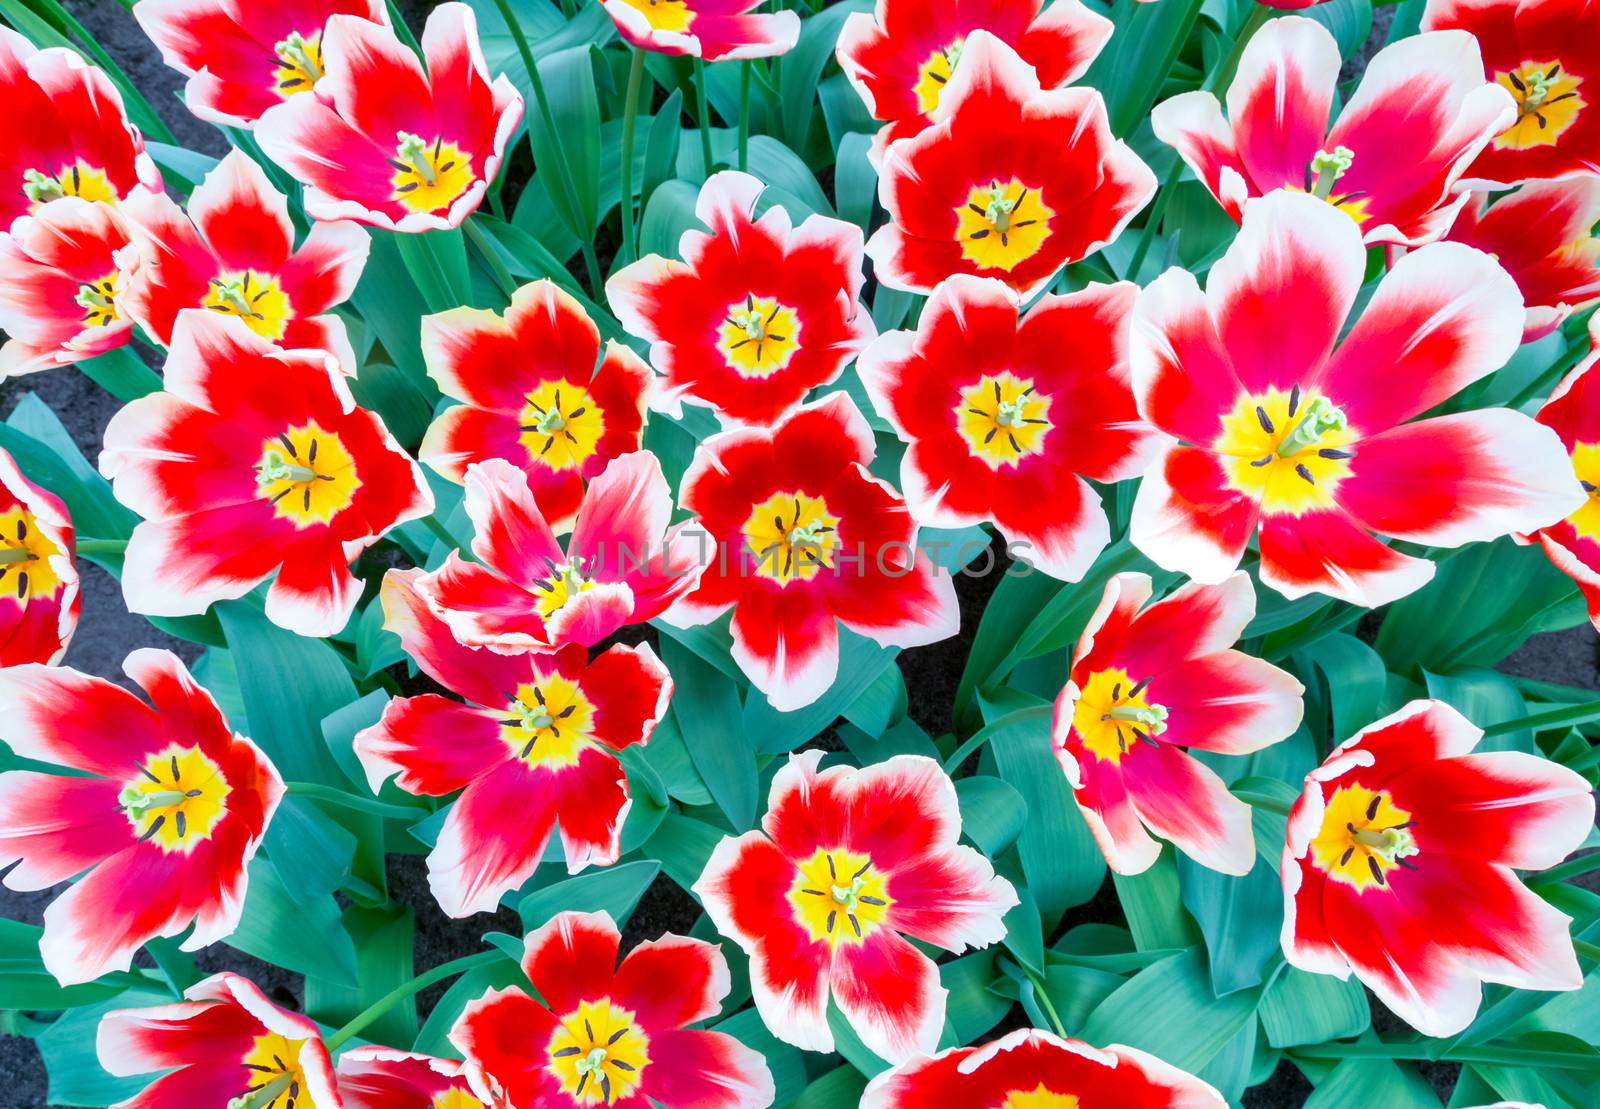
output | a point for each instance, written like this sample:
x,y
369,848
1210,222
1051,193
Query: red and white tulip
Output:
x,y
1031,1069
715,30
1149,680
377,1077
254,462
621,565
609,1033
533,744
758,312
1392,158
242,59
846,864
233,254
1007,414
1400,867
39,600
801,535
224,1041
1009,180
1573,413
166,816
383,141
531,394
1307,439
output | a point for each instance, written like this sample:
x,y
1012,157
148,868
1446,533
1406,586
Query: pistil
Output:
x,y
97,300
41,188
10,556
1321,418
297,52
413,151
275,468
1153,717
1328,167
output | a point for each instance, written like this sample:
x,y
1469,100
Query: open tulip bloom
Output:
x,y
242,59
1030,1069
1573,413
1300,436
1391,159
223,1041
1399,867
531,394
63,132
800,534
1009,180
1148,681
714,30
165,810
1546,55
233,254
1006,414
846,864
383,141
900,57
39,601
609,1033
254,461
533,746
383,1078
621,565
757,313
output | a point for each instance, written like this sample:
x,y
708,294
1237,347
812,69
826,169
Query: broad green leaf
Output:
x,y
1241,919
383,939
1365,1083
615,890
568,77
684,846
706,705
861,662
802,67
433,1039
70,1060
1194,1024
840,1088
1151,901
1303,1008
993,813
786,1063
301,934
972,1008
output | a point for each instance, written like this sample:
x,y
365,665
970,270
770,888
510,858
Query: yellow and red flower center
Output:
x,y
298,63
758,336
454,1098
25,554
176,798
1285,449
1548,102
598,1053
837,896
306,474
1322,177
1002,224
427,175
98,299
548,721
934,73
565,582
1364,836
1112,713
276,1081
1002,419
1040,1097
78,179
561,425
791,536
254,297
665,15
1586,464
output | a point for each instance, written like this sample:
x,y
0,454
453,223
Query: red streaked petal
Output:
x,y
492,840
952,899
1328,552
506,1033
1102,796
1192,124
1191,622
245,220
1186,518
1182,376
890,993
1182,800
323,272
1228,702
1279,100
374,1077
430,745
57,827
787,644
592,803
672,981
510,534
709,1070
57,715
571,958
483,677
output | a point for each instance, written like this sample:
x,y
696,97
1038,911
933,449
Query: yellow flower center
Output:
x,y
758,336
299,59
565,582
837,896
307,475
1322,176
1285,449
1002,419
255,297
275,1078
454,1098
1363,837
598,1053
25,553
561,425
934,74
1586,464
176,798
664,15
548,721
1002,225
428,176
77,179
98,299
791,536
1113,712
1548,103
1039,1098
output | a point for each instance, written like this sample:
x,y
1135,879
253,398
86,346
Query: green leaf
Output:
x,y
437,263
840,1088
855,182
861,663
300,934
706,705
848,1044
1365,1083
45,452
1133,65
1355,678
1349,21
684,846
568,77
1241,919
1303,1008
383,939
661,146
993,813
70,1060
1150,901
433,1039
802,67
339,730
1488,699
972,1008
1194,1024
667,215
786,1063
615,890
312,853
25,984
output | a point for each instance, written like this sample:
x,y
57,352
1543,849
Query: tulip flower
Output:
x,y
1573,413
714,30
39,601
382,1078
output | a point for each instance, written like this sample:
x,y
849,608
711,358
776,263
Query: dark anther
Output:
x,y
617,1035
287,445
877,901
1258,463
1517,82
1377,871
864,868
155,826
816,893
1300,468
984,234
174,768
1335,454
618,1063
1372,809
976,209
183,824
22,584
1348,851
145,770
854,923
1116,692
1294,399
1266,424
1138,689
833,915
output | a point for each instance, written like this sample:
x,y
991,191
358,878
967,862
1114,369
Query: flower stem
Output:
x,y
1572,868
406,989
350,801
102,546
705,113
744,114
1566,716
630,112
1045,1003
